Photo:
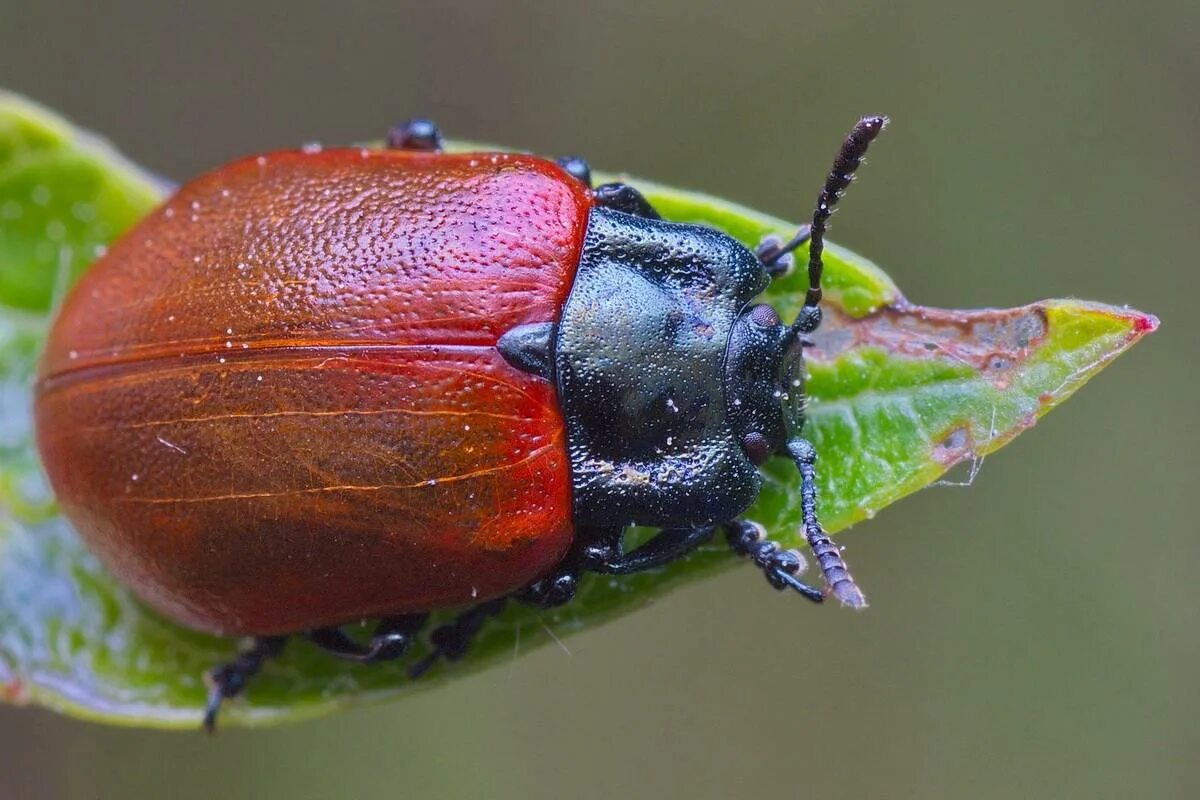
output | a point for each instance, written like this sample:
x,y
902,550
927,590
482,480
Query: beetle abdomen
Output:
x,y
277,404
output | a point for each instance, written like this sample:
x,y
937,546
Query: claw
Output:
x,y
812,593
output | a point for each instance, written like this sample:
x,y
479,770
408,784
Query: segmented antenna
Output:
x,y
848,159
837,575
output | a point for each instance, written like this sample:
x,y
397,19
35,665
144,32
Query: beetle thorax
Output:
x,y
640,366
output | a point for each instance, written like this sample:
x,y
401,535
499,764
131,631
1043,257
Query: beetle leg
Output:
x,y
416,134
391,638
779,566
228,680
451,640
623,197
551,591
606,553
577,168
782,566
776,256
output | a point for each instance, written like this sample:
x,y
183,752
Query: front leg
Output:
x,y
780,567
775,255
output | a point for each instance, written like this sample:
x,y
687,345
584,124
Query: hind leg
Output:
x,y
451,640
228,680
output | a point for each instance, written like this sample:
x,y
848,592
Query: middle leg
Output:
x,y
598,550
392,637
606,553
602,550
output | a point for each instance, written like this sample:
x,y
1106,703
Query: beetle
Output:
x,y
327,385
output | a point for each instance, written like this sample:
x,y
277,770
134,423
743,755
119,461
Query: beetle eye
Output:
x,y
756,447
764,316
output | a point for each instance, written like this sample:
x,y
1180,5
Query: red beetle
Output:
x,y
317,387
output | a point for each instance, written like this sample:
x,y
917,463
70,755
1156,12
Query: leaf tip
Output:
x,y
14,692
1144,323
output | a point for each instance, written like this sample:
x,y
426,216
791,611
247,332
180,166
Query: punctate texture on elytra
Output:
x,y
226,404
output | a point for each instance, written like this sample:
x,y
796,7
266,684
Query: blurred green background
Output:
x,y
1034,635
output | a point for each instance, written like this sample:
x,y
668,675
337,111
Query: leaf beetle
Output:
x,y
326,385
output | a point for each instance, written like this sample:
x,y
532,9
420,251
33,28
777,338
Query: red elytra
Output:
x,y
226,400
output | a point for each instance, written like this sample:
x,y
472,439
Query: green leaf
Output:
x,y
900,393
63,195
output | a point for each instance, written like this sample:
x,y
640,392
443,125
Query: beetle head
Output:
x,y
764,382
764,360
